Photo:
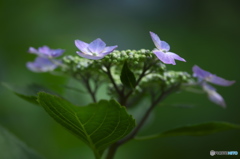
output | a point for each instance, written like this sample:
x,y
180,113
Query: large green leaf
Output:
x,y
127,77
194,130
98,124
13,148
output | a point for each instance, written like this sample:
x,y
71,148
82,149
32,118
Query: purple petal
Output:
x,y
165,46
44,49
207,86
175,56
31,66
41,65
33,50
198,72
213,95
97,46
108,50
57,52
38,52
46,52
82,46
216,98
219,81
92,57
156,40
207,76
165,58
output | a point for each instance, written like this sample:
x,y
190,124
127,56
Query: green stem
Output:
x,y
91,92
86,83
120,93
97,156
143,73
113,148
137,82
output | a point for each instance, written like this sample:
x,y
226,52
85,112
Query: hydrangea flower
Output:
x,y
204,77
46,52
162,51
42,64
95,50
209,77
213,95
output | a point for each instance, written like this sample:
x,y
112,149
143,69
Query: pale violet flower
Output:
x,y
213,95
46,52
42,64
209,77
204,77
95,50
162,51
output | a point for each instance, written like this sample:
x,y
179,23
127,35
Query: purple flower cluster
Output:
x,y
204,77
97,49
44,62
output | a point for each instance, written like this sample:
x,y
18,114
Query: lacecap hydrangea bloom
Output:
x,y
41,65
95,50
209,77
45,61
204,77
46,52
162,51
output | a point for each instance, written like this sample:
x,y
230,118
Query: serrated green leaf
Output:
x,y
127,77
28,92
98,124
13,148
194,130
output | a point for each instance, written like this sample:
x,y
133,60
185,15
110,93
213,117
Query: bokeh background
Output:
x,y
204,32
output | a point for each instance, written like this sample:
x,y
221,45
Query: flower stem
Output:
x,y
113,148
137,82
86,83
91,92
120,93
143,73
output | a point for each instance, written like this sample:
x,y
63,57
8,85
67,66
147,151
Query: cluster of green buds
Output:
x,y
167,78
117,58
145,70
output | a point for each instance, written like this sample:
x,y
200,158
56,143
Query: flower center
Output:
x,y
94,54
163,50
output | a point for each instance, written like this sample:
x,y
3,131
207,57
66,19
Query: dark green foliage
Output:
x,y
127,77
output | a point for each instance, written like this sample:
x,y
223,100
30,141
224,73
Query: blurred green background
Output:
x,y
203,32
